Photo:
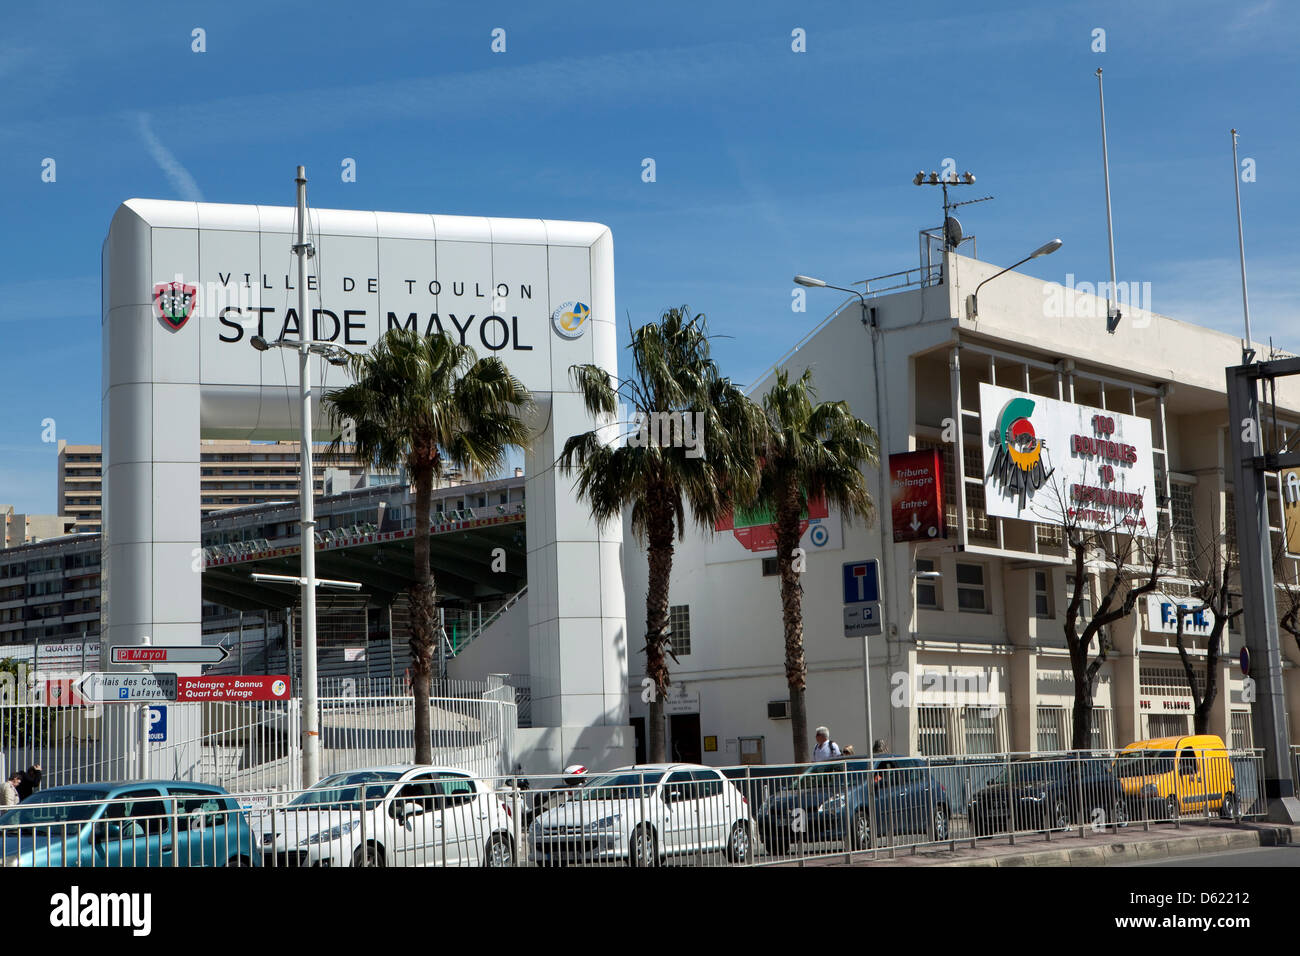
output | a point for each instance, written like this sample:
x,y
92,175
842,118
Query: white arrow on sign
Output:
x,y
163,654
916,522
101,688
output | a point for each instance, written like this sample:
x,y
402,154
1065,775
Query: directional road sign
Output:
x,y
101,688
163,654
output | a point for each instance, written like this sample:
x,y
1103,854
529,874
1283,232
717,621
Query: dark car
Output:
x,y
1049,793
137,823
759,781
836,801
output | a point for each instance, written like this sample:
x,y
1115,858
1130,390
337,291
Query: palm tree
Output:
x,y
672,375
430,405
810,451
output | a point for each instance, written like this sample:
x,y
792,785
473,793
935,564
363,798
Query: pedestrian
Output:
x,y
31,782
9,792
880,747
826,748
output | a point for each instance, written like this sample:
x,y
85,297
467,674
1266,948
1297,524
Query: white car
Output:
x,y
643,815
413,816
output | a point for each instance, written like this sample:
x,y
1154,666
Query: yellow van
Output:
x,y
1177,775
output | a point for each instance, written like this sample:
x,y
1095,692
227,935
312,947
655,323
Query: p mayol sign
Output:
x,y
1051,461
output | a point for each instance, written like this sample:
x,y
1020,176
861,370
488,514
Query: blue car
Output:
x,y
828,802
154,823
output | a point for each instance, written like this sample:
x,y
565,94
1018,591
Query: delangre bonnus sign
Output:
x,y
1056,462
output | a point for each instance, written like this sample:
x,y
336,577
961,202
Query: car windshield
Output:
x,y
1144,763
627,785
54,806
343,790
1022,772
823,775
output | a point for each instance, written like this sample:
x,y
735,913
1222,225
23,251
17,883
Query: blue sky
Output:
x,y
768,162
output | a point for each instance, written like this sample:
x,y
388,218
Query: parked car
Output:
x,y
399,815
759,781
645,814
1049,793
1170,776
835,801
135,823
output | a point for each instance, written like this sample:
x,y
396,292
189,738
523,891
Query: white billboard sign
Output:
x,y
1056,462
1162,616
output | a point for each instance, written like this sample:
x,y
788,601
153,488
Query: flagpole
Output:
x,y
1112,315
1247,351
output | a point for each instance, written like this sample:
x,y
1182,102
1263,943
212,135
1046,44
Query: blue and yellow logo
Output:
x,y
570,319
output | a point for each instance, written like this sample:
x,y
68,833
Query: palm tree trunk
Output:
x,y
423,596
796,664
660,558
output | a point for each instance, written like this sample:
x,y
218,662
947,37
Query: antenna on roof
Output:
x,y
952,231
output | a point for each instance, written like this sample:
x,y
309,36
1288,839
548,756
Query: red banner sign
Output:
x,y
916,498
755,530
236,687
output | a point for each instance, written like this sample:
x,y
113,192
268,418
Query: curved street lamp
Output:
x,y
972,303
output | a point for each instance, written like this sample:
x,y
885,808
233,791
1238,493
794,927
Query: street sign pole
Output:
x,y
1246,439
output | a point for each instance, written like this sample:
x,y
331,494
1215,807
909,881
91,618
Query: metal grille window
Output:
x,y
971,594
982,727
1043,594
933,731
978,523
1170,681
1184,525
1166,725
1103,728
1051,729
1242,737
927,589
770,567
679,628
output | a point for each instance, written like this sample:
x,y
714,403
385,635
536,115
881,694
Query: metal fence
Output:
x,y
251,745
664,815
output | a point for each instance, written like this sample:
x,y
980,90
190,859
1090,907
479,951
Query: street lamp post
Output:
x,y
813,283
306,348
972,303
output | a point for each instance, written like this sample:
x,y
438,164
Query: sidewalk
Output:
x,y
1070,849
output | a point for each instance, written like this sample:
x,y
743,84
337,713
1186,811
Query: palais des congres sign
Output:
x,y
1050,461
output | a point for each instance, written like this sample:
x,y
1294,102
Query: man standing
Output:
x,y
31,781
9,791
826,748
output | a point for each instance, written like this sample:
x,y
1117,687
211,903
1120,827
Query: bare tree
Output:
x,y
1210,572
1129,564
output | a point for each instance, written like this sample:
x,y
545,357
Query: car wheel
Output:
x,y
240,861
1229,810
860,834
374,856
1058,818
939,825
1120,812
644,850
499,851
738,842
1172,808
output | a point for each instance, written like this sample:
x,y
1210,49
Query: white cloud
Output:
x,y
179,176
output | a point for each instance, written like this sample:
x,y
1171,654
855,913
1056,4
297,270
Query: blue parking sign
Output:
x,y
861,581
157,724
124,693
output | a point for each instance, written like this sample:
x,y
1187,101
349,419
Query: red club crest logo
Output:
x,y
174,302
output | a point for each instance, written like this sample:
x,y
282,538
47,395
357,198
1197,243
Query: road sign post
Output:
x,y
98,687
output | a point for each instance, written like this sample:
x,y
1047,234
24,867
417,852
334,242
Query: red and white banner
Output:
x,y
236,687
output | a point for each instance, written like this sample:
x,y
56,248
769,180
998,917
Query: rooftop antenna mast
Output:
x,y
1113,314
1247,352
952,232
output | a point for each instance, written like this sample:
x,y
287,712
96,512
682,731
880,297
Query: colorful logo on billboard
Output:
x,y
1020,464
571,318
755,530
175,302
